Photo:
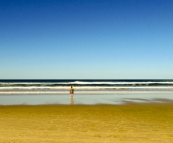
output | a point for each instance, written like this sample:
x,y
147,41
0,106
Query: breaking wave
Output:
x,y
83,86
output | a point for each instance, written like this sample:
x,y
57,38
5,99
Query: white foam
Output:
x,y
87,82
86,87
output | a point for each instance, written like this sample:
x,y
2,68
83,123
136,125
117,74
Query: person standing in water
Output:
x,y
71,90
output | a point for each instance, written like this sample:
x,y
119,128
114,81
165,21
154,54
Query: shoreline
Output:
x,y
91,105
158,101
86,99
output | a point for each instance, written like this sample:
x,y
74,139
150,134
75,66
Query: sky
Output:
x,y
86,39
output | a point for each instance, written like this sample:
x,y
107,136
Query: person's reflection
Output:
x,y
71,99
71,95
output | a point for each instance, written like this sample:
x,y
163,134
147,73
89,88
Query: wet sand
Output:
x,y
85,99
132,123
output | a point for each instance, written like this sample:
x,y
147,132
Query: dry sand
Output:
x,y
132,123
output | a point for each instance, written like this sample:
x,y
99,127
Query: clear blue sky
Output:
x,y
86,39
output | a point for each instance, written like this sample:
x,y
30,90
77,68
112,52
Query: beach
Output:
x,y
129,122
86,71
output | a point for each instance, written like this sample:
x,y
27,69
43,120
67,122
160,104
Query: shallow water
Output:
x,y
87,99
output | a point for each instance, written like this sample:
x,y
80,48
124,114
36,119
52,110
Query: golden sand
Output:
x,y
133,123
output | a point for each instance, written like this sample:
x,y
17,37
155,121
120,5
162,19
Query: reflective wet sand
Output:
x,y
85,99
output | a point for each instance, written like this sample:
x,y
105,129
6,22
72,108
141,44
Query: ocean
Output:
x,y
84,86
90,91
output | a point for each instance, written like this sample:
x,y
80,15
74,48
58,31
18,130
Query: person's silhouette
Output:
x,y
71,90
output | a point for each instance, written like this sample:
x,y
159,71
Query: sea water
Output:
x,y
83,86
35,92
